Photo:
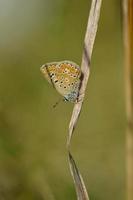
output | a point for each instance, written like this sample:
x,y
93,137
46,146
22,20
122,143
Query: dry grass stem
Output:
x,y
78,180
85,67
128,49
86,58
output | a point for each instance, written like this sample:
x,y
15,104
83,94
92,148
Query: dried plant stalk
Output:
x,y
85,67
86,58
128,47
78,180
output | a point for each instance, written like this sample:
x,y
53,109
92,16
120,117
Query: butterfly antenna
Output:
x,y
57,103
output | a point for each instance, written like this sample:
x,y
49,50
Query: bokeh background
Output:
x,y
33,157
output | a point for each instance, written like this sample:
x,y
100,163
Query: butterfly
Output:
x,y
65,76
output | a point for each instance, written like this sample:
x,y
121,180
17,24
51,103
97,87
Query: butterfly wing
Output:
x,y
68,80
49,71
65,77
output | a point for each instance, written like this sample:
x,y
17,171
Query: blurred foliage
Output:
x,y
33,159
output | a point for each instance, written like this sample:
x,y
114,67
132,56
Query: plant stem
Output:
x,y
128,47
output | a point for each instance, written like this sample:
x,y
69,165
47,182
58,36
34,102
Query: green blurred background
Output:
x,y
33,157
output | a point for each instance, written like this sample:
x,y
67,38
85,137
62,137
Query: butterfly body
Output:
x,y
65,76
